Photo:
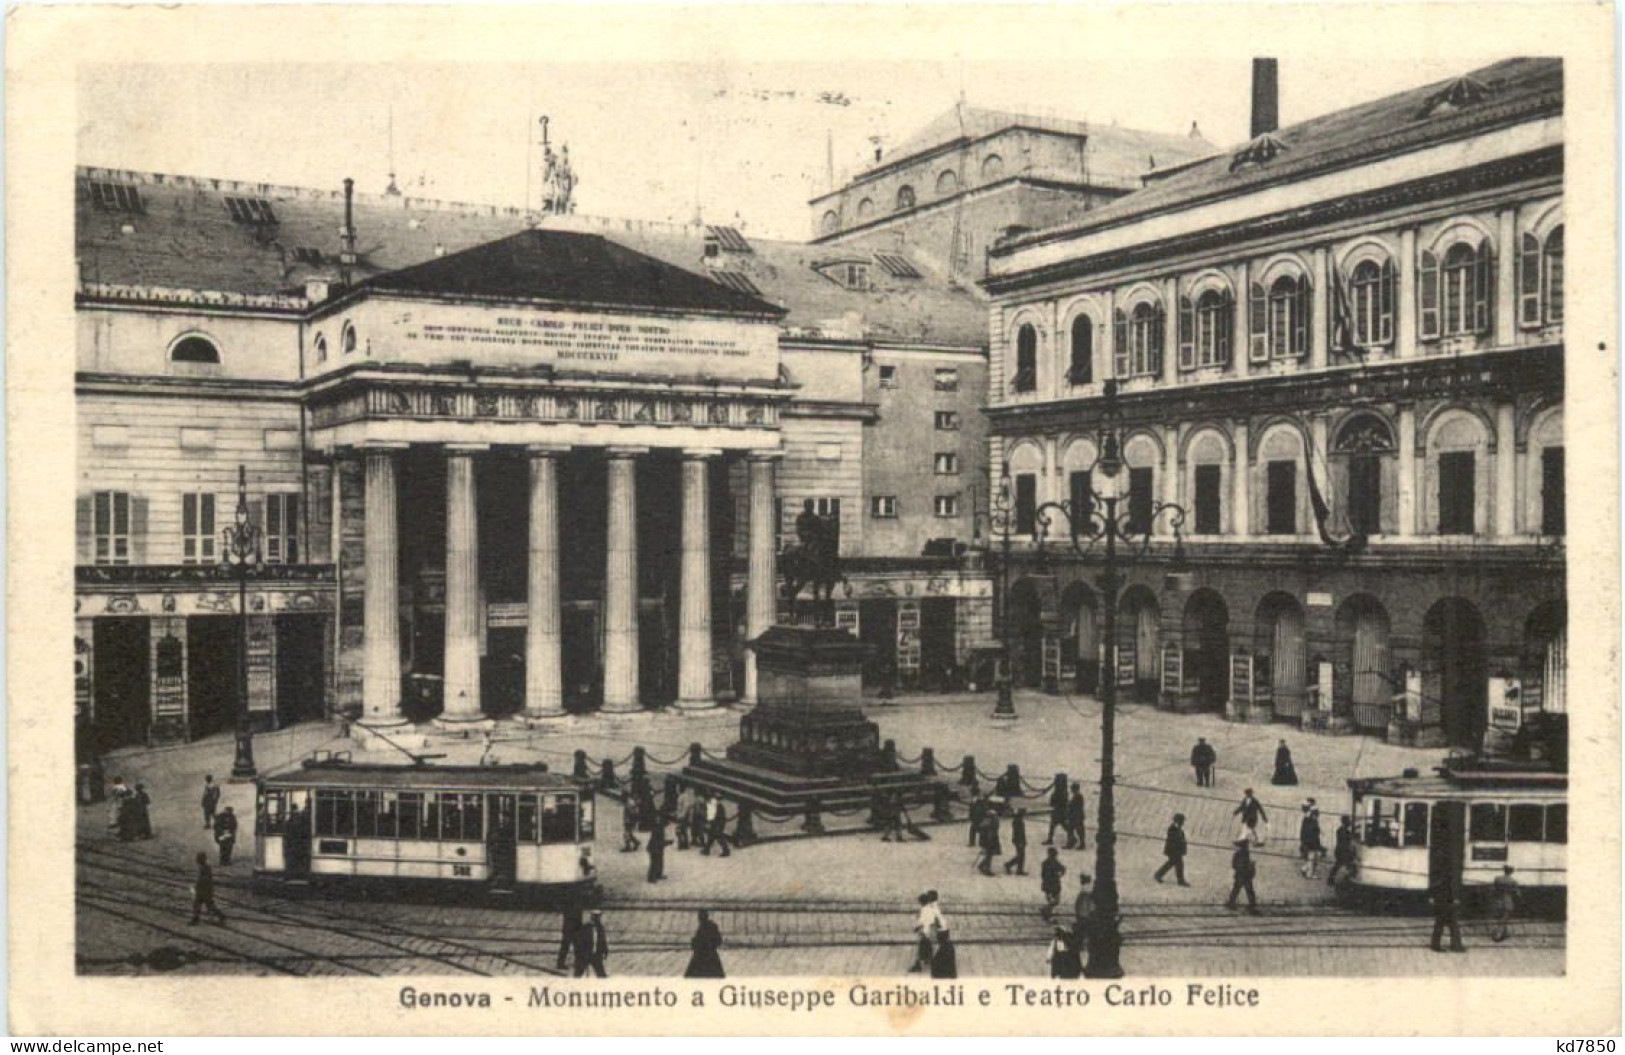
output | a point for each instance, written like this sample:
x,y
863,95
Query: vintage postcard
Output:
x,y
903,519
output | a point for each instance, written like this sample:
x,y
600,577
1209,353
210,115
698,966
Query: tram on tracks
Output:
x,y
498,830
1464,824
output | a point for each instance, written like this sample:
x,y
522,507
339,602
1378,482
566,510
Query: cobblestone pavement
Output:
x,y
840,905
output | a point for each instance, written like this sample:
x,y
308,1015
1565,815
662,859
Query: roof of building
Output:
x,y
1116,154
1504,93
572,267
183,235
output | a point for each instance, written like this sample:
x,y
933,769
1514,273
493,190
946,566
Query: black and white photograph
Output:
x,y
692,527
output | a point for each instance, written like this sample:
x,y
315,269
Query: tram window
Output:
x,y
366,814
1557,823
1488,823
273,814
335,813
387,815
527,819
411,808
586,815
1416,824
473,816
559,819
451,815
1525,823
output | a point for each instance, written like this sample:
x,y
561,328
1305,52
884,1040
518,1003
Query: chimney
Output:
x,y
1266,101
347,233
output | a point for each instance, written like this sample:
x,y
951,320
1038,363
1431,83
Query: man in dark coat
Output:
x,y
591,947
988,841
1342,850
203,891
945,960
716,833
1083,915
1173,848
1203,759
1446,915
1244,870
1057,808
1076,833
143,812
696,823
978,810
1063,956
1252,814
569,924
657,850
211,801
1049,881
1018,839
225,834
706,960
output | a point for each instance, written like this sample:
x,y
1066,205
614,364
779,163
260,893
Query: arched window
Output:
x,y
1365,442
348,340
1551,282
1139,340
866,208
947,182
1456,295
992,167
319,348
194,349
1204,330
1371,300
1081,368
830,222
1289,317
1026,379
905,197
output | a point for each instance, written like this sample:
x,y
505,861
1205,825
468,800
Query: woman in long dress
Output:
x,y
1285,773
706,962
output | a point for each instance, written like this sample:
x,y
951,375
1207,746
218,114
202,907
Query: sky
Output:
x,y
733,143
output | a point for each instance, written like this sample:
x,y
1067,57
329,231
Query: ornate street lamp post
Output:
x,y
240,550
1099,522
1001,516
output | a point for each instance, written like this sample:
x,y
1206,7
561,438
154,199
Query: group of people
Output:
x,y
698,819
1204,759
584,945
934,950
129,811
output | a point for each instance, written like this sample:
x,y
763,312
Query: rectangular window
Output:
x,y
946,464
947,420
1557,823
112,527
411,810
947,379
1079,484
1026,503
888,377
1207,499
830,510
1281,499
1365,494
1488,823
282,529
1525,823
559,819
1415,831
946,505
389,815
116,197
1140,500
1553,519
883,507
527,819
197,529
366,815
1456,471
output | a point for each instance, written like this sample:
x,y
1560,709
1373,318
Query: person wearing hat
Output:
x,y
1083,915
1244,870
225,834
1063,957
1310,848
927,926
591,946
1252,814
1049,880
1173,849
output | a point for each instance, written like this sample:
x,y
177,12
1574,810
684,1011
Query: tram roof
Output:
x,y
341,774
1445,785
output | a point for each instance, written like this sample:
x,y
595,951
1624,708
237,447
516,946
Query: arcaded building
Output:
x,y
1339,349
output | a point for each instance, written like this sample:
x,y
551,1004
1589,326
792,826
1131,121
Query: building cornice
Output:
x,y
982,191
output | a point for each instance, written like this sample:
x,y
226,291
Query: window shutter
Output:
x,y
1187,334
1119,343
1159,320
1258,349
82,529
1484,288
1302,323
1529,282
138,529
1427,295
1387,293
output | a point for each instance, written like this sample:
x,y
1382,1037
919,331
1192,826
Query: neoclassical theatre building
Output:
x,y
1339,347
500,464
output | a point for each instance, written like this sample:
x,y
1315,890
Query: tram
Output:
x,y
500,830
1464,824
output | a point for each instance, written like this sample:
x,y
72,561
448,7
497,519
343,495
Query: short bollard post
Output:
x,y
668,795
640,764
877,808
967,771
888,754
928,762
940,810
1010,783
814,824
606,776
745,826
696,754
579,769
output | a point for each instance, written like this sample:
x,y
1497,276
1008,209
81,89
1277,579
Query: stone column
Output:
x,y
1170,331
381,670
621,583
761,587
1319,321
694,623
1240,493
544,692
1405,506
1506,279
1405,310
1240,323
1164,525
1318,429
1506,473
462,671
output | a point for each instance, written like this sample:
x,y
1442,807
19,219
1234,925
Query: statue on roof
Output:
x,y
558,179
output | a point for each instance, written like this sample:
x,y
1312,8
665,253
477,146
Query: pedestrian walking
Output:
x,y
1285,774
1446,915
591,947
203,891
697,823
1244,871
225,834
1173,851
1063,956
1057,808
1076,834
141,805
978,812
988,843
945,959
1252,814
1504,896
889,807
657,850
1083,915
1049,881
706,959
927,925
1203,759
117,795
1342,850
569,923
1310,848
211,801
1018,839
684,813
717,825
629,821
